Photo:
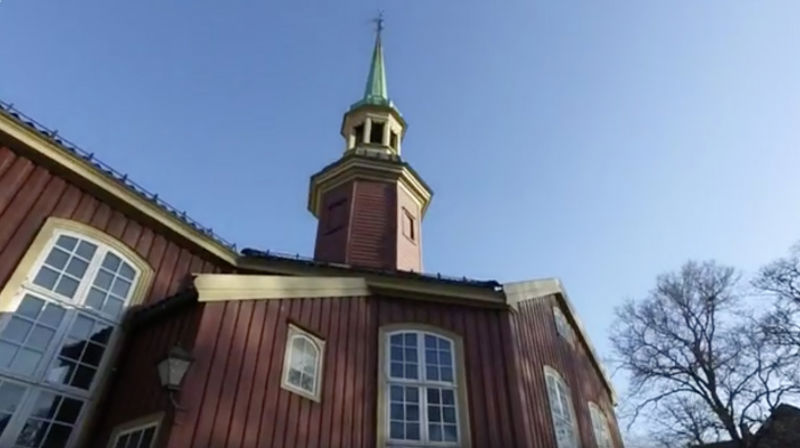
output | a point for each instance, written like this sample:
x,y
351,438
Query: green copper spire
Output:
x,y
376,93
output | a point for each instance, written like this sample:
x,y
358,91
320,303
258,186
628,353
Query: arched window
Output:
x,y
423,399
602,435
563,327
61,309
561,409
302,364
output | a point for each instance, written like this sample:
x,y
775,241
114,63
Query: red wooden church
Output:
x,y
123,323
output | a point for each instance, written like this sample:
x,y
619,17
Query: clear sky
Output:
x,y
600,142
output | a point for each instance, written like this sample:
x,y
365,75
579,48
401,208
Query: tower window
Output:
x,y
376,133
408,225
393,140
336,216
359,134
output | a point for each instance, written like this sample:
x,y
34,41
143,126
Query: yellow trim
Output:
x,y
464,433
140,422
23,272
41,147
361,168
539,289
292,332
216,287
405,287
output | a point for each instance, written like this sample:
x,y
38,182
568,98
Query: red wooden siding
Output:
x,y
135,389
537,343
233,395
29,194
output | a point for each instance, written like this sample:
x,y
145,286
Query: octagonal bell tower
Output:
x,y
370,203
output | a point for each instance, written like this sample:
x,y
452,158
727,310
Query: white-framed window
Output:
x,y
602,433
421,396
140,436
302,363
56,341
561,410
563,327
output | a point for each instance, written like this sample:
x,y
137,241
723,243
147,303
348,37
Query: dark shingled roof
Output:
x,y
438,278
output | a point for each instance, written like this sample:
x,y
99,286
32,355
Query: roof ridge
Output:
x,y
9,110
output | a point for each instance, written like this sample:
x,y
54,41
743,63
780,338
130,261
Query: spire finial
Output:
x,y
379,23
376,92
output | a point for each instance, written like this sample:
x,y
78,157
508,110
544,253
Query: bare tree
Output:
x,y
781,279
700,369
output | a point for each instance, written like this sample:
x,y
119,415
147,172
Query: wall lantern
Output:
x,y
173,367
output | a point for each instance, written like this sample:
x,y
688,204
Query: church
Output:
x,y
126,324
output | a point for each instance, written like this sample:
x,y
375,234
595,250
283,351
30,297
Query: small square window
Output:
x,y
376,133
408,225
302,363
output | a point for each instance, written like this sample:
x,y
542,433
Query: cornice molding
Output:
x,y
221,287
539,289
356,167
38,147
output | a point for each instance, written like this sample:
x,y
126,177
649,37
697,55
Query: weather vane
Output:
x,y
379,22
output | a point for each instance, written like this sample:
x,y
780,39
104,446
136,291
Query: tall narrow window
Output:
x,y
602,435
302,364
376,133
422,401
393,140
561,410
563,327
359,131
337,214
408,225
68,298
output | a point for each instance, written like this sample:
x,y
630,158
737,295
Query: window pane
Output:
x,y
147,437
86,250
46,278
40,338
52,315
111,262
17,330
122,441
67,242
103,279
57,436
126,271
77,267
10,396
26,361
67,286
30,307
7,352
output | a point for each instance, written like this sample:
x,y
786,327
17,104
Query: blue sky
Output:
x,y
600,142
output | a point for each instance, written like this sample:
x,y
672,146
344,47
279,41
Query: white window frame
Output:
x,y
563,327
552,374
294,332
21,285
600,427
139,424
422,383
